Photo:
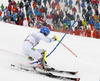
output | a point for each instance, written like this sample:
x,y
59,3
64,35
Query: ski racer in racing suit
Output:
x,y
32,40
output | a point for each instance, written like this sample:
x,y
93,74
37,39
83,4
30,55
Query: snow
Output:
x,y
87,49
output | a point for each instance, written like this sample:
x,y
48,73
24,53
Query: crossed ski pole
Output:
x,y
65,46
68,49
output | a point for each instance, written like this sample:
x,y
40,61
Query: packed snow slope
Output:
x,y
87,49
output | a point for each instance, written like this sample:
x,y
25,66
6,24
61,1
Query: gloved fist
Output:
x,y
56,38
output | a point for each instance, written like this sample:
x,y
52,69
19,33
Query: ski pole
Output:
x,y
68,49
65,46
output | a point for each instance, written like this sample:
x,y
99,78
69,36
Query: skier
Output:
x,y
32,40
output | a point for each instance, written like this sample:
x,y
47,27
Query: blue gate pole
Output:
x,y
61,40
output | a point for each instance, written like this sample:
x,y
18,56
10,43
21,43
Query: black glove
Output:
x,y
55,38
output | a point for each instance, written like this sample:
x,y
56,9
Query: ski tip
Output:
x,y
75,73
77,79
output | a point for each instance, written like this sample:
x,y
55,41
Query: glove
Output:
x,y
55,38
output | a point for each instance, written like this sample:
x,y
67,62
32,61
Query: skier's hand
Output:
x,y
56,38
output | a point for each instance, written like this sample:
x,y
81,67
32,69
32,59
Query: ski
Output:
x,y
52,69
45,73
61,71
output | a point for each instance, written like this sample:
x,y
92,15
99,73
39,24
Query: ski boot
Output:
x,y
42,61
